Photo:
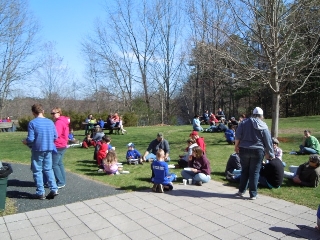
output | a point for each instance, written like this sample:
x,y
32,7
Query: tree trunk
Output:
x,y
275,113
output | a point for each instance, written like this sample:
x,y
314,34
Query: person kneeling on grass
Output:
x,y
199,166
161,177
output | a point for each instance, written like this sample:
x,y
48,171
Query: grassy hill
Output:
x,y
79,160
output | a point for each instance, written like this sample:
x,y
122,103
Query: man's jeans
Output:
x,y
58,167
307,150
41,163
251,160
196,177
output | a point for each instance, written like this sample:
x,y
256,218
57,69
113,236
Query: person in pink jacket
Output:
x,y
62,126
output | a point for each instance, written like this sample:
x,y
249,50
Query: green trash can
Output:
x,y
3,192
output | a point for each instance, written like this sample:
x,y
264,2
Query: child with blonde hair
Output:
x,y
110,163
161,177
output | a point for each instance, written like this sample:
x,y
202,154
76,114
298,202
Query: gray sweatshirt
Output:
x,y
253,133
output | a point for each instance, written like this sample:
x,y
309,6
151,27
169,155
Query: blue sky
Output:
x,y
66,22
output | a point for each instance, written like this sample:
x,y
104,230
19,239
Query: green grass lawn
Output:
x,y
79,160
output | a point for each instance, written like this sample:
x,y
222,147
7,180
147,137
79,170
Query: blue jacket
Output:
x,y
253,133
133,154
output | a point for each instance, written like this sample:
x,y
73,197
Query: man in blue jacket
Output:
x,y
253,142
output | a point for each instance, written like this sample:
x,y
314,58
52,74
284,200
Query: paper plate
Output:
x,y
188,169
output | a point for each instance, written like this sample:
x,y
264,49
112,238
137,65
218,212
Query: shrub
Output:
x,y
130,119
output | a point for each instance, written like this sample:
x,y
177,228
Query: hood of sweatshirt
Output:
x,y
258,124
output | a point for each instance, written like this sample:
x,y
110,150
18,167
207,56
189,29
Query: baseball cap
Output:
x,y
160,134
258,110
193,133
233,118
130,144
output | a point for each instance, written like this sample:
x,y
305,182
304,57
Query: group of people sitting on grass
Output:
x,y
272,170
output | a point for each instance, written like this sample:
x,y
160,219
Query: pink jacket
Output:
x,y
62,127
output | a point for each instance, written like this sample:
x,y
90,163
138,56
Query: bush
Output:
x,y
23,123
130,119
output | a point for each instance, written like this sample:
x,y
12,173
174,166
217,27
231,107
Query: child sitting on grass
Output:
x,y
102,152
161,177
133,153
110,163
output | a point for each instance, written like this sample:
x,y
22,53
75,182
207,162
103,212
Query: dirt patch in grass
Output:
x,y
292,130
285,139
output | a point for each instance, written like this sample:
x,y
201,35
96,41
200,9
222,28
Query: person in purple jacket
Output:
x,y
253,143
199,168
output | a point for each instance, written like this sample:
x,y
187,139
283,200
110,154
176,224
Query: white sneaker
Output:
x,y
239,194
253,198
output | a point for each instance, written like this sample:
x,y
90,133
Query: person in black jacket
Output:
x,y
271,174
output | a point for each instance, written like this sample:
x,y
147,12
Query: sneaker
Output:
x,y
52,194
40,197
198,183
140,161
62,186
100,170
154,187
160,188
253,198
239,194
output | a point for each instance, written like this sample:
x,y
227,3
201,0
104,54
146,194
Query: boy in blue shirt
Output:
x,y
133,153
161,177
230,134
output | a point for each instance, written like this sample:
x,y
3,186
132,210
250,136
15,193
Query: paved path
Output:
x,y
21,186
187,212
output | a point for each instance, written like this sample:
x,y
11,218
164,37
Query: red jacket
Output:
x,y
201,143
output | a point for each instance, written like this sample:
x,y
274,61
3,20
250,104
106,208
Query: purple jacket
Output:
x,y
202,164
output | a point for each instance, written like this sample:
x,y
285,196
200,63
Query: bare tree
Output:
x,y
275,50
53,76
167,59
18,32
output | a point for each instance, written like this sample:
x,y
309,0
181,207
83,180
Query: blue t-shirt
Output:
x,y
133,154
161,171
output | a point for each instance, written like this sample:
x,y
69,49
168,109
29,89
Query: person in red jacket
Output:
x,y
62,126
199,140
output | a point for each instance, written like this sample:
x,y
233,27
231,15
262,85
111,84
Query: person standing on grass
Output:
x,y
41,136
62,126
253,142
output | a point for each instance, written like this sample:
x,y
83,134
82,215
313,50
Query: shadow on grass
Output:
x,y
305,232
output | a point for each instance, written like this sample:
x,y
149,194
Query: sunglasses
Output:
x,y
53,113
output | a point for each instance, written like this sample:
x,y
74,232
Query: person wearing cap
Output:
x,y
154,146
252,142
233,121
199,140
307,174
98,133
133,153
310,144
196,124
